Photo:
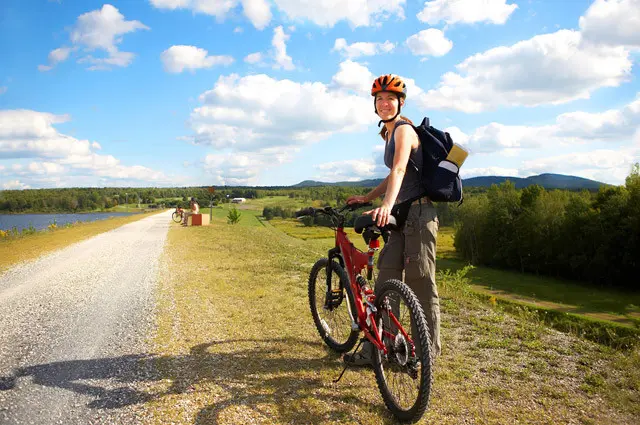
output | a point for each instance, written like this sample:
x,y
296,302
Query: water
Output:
x,y
42,221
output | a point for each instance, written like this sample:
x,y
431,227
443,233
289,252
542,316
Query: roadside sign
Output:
x,y
211,189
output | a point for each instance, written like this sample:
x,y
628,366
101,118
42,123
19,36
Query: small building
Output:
x,y
238,200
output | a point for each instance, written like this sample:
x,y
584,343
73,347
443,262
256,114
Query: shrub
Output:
x,y
234,216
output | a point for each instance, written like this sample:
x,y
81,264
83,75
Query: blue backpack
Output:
x,y
440,176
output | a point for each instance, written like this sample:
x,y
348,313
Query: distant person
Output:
x,y
411,249
195,209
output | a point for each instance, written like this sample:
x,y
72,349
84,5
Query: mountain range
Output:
x,y
546,180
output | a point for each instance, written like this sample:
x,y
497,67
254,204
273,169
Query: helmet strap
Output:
x,y
390,119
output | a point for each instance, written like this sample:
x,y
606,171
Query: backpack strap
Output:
x,y
398,124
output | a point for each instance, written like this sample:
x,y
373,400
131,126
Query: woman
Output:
x,y
411,249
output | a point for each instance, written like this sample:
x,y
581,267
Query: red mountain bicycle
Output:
x,y
343,305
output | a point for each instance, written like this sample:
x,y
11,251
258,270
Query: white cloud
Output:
x,y
552,68
466,173
233,169
320,12
55,57
617,129
360,48
268,120
466,11
602,165
429,42
26,134
253,58
15,185
353,76
100,30
282,60
613,126
347,170
328,12
613,23
177,59
217,8
45,167
257,11
3,89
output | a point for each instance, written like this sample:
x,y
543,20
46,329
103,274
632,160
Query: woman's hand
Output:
x,y
380,215
356,199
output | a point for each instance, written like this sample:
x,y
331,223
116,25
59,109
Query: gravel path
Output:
x,y
73,326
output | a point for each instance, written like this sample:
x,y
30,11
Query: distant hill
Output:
x,y
547,180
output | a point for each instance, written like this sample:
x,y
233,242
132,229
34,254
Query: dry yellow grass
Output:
x,y
29,247
235,343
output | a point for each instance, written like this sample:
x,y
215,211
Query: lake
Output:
x,y
42,221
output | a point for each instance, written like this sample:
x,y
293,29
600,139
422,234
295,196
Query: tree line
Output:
x,y
577,235
91,199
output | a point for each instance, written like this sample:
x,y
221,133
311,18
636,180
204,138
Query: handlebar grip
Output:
x,y
305,211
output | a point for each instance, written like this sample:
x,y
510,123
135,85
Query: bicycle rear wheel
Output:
x,y
176,217
332,307
404,374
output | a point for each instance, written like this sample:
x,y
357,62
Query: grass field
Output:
x,y
235,343
545,292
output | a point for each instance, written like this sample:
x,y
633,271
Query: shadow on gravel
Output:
x,y
264,375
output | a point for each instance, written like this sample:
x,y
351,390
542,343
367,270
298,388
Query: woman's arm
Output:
x,y
405,138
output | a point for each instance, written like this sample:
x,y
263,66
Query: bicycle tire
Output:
x,y
340,339
176,217
389,364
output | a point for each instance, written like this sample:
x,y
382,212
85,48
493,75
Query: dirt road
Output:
x,y
73,326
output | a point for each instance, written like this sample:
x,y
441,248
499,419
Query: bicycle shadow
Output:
x,y
278,393
250,372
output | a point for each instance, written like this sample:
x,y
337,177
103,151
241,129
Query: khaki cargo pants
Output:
x,y
413,250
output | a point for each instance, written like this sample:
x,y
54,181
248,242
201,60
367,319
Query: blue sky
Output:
x,y
273,92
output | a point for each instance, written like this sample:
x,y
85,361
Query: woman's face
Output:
x,y
387,104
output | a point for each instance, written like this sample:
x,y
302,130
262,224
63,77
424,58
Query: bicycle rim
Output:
x,y
332,317
404,374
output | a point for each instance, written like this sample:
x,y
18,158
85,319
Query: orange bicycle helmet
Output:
x,y
390,83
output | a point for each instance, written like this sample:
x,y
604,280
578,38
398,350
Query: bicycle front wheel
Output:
x,y
404,374
176,217
332,306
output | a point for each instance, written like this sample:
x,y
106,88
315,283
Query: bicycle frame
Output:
x,y
354,261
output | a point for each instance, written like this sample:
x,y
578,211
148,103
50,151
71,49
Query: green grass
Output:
x,y
542,291
249,217
235,343
279,201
